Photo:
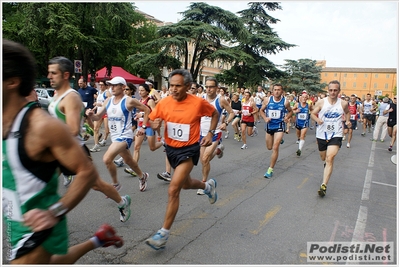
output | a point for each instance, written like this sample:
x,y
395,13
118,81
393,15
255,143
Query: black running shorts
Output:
x,y
177,155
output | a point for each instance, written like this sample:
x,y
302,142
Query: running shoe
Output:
x,y
165,176
119,162
96,148
390,148
219,150
124,210
227,135
86,137
372,139
130,171
282,141
297,141
322,191
212,195
143,182
158,241
106,234
363,134
239,138
311,127
100,136
343,138
102,142
382,140
89,130
159,138
244,146
269,173
235,136
200,192
348,145
298,152
369,130
255,133
67,179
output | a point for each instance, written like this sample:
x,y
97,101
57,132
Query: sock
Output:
x,y
96,242
301,143
207,187
165,231
122,203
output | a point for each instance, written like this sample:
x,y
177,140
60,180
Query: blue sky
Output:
x,y
358,34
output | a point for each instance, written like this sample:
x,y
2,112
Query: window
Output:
x,y
365,85
365,75
375,85
325,74
387,76
376,75
386,86
354,85
345,74
344,85
335,75
355,75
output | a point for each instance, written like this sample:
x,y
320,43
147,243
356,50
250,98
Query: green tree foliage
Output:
x,y
302,74
205,28
100,34
260,41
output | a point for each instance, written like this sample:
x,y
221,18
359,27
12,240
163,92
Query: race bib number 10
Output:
x,y
179,132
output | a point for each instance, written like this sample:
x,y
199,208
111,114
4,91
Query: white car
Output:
x,y
44,95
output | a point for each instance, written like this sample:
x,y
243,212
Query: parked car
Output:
x,y
44,95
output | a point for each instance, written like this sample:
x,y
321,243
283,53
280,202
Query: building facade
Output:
x,y
361,81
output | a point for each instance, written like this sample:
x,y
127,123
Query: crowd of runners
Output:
x,y
188,121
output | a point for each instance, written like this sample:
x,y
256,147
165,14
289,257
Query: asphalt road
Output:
x,y
255,220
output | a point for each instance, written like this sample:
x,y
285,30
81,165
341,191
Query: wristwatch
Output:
x,y
212,131
144,127
57,209
227,124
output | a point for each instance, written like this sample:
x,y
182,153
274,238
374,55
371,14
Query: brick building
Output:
x,y
360,81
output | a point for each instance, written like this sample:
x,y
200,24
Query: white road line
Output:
x,y
384,184
361,222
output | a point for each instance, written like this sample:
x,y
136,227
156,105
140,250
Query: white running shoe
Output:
x,y
244,146
227,135
119,162
102,142
200,192
143,181
348,145
219,150
96,148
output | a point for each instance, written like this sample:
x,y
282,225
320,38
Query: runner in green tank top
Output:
x,y
34,213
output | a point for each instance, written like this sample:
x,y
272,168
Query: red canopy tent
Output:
x,y
118,71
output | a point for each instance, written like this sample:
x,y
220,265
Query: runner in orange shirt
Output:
x,y
182,114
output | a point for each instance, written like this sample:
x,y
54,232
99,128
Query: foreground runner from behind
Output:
x,y
182,114
34,213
